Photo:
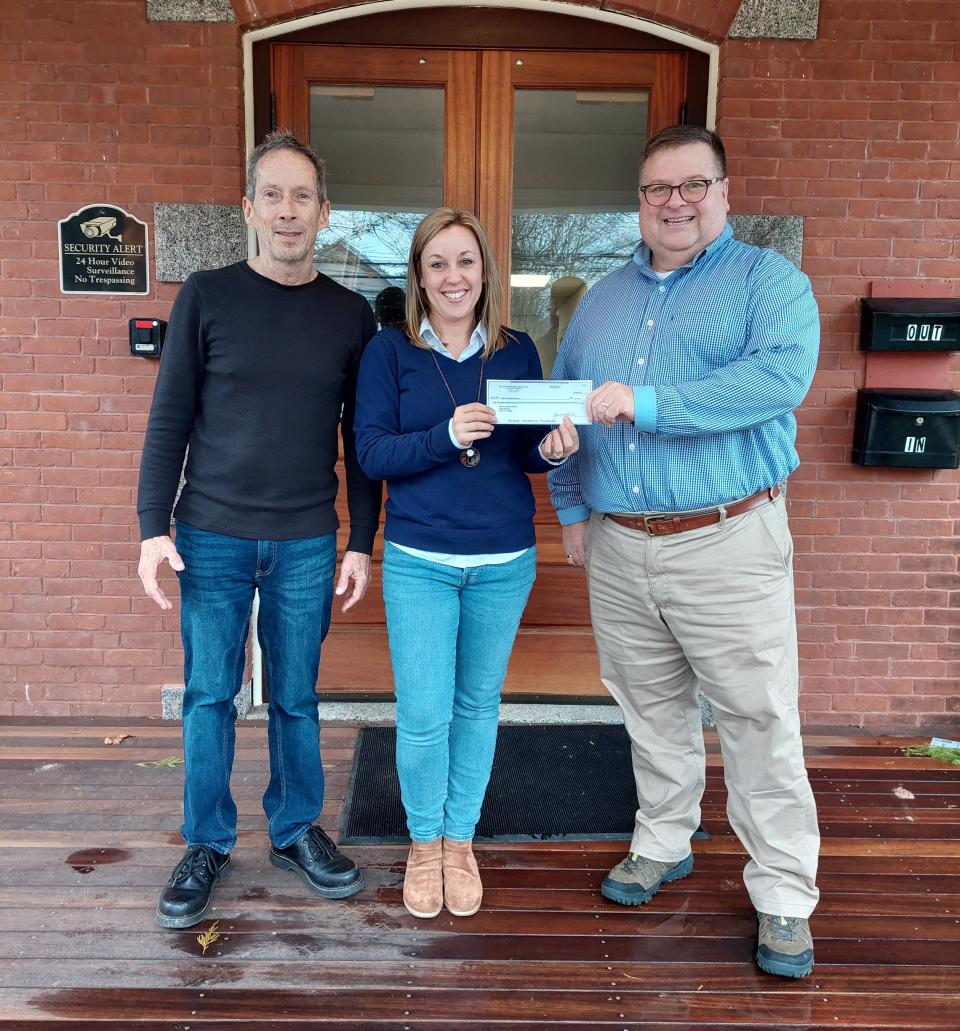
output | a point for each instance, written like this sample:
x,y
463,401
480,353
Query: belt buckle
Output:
x,y
650,522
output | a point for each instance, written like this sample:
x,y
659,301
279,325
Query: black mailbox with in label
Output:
x,y
907,429
910,324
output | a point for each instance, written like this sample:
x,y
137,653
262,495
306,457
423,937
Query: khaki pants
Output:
x,y
711,608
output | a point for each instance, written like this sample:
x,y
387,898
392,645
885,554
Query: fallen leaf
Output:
x,y
901,792
209,936
116,740
169,761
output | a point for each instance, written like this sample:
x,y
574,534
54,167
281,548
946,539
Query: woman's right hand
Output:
x,y
473,422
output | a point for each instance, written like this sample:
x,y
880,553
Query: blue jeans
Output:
x,y
295,580
451,632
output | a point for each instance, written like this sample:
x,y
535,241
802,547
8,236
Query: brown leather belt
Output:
x,y
662,525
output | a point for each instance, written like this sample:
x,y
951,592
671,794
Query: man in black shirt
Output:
x,y
258,371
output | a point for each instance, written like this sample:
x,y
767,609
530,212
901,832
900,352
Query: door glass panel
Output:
x,y
384,151
576,156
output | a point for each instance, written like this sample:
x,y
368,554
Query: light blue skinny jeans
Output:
x,y
451,633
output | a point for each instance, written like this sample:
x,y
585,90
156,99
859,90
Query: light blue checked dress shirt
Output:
x,y
719,354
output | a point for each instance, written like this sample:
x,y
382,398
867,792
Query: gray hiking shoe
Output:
x,y
635,879
784,945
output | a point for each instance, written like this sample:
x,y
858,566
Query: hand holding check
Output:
x,y
561,442
610,402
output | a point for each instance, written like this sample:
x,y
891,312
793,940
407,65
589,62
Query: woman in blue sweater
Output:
x,y
459,557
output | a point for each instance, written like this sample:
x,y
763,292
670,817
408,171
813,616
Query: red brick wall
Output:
x,y
96,105
856,131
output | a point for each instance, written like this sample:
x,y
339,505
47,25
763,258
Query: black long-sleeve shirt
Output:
x,y
254,378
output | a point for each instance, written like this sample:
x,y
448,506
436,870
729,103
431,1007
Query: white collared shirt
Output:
x,y
478,341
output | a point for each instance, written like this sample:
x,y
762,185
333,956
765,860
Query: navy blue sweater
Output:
x,y
253,378
434,502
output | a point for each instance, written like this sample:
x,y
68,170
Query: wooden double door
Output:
x,y
542,145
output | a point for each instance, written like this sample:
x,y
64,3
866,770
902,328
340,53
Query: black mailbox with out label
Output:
x,y
146,337
910,324
908,429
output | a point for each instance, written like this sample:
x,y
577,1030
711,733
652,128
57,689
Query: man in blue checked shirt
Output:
x,y
703,347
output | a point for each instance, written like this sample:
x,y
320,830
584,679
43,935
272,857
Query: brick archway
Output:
x,y
684,21
709,22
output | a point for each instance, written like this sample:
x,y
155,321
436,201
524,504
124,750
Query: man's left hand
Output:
x,y
356,567
610,402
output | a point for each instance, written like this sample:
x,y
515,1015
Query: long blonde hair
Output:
x,y
488,309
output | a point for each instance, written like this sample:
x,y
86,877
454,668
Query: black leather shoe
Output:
x,y
188,895
316,861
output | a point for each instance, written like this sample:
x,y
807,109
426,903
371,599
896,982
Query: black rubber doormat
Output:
x,y
555,781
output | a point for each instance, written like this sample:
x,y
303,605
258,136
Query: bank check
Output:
x,y
535,402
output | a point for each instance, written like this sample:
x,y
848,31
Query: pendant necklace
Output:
x,y
471,456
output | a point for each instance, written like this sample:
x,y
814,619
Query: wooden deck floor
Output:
x,y
88,836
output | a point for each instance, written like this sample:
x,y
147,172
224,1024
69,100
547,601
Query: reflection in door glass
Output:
x,y
384,151
576,155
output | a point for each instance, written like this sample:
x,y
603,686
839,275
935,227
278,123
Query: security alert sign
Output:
x,y
103,250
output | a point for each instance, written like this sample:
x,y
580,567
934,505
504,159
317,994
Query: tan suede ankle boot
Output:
x,y
462,888
423,881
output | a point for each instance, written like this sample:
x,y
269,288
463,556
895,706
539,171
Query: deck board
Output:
x,y
87,837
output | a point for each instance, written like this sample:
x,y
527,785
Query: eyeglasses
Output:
x,y
692,191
